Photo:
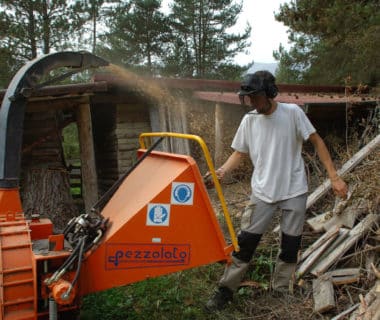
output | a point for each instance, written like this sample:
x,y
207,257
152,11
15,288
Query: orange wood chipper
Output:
x,y
156,219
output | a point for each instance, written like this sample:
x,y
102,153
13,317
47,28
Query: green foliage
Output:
x,y
112,304
39,26
177,296
332,40
202,46
262,269
29,28
70,143
8,65
75,191
191,41
138,34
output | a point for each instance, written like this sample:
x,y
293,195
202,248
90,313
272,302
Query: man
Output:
x,y
272,135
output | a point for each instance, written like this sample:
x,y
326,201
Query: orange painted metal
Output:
x,y
162,221
56,242
40,228
17,276
46,264
23,294
59,290
10,203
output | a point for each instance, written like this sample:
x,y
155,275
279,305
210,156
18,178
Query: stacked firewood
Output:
x,y
330,260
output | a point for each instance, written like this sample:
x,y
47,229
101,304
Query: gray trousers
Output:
x,y
256,219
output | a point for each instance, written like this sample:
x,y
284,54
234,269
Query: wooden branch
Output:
x,y
376,248
343,276
324,249
320,247
373,311
323,295
347,218
317,223
347,167
319,242
376,272
369,259
346,312
342,236
354,235
369,298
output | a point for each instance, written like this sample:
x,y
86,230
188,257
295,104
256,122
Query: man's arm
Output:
x,y
232,163
338,185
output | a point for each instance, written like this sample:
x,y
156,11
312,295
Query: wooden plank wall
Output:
x,y
45,187
116,130
103,126
49,153
131,120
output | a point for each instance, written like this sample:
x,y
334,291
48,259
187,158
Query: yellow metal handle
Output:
x,y
211,168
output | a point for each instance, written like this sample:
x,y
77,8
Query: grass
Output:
x,y
179,296
176,296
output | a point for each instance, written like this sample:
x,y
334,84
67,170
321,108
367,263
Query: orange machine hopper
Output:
x,y
161,221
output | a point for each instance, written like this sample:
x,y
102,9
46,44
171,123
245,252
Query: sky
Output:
x,y
266,34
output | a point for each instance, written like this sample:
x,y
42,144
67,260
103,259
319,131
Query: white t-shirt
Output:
x,y
274,143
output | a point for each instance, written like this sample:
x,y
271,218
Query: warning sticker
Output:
x,y
158,214
182,193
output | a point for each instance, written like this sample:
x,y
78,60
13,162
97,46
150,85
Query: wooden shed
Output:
x,y
111,112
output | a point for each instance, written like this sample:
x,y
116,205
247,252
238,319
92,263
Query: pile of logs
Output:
x,y
342,228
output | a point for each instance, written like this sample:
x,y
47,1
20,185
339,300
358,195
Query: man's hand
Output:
x,y
232,162
339,187
220,173
207,178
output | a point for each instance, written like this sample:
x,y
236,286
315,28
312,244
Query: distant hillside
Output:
x,y
271,67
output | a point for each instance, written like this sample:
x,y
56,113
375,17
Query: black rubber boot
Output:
x,y
219,300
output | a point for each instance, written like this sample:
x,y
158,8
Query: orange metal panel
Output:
x,y
56,242
17,276
40,228
161,220
10,201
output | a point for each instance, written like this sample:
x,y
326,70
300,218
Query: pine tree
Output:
x,y
202,45
30,28
332,40
138,32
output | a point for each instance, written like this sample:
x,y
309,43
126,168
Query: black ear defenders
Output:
x,y
270,89
268,83
258,83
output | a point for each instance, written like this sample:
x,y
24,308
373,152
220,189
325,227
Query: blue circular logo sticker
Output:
x,y
158,214
182,193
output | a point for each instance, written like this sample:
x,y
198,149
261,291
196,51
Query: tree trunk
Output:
x,y
47,193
